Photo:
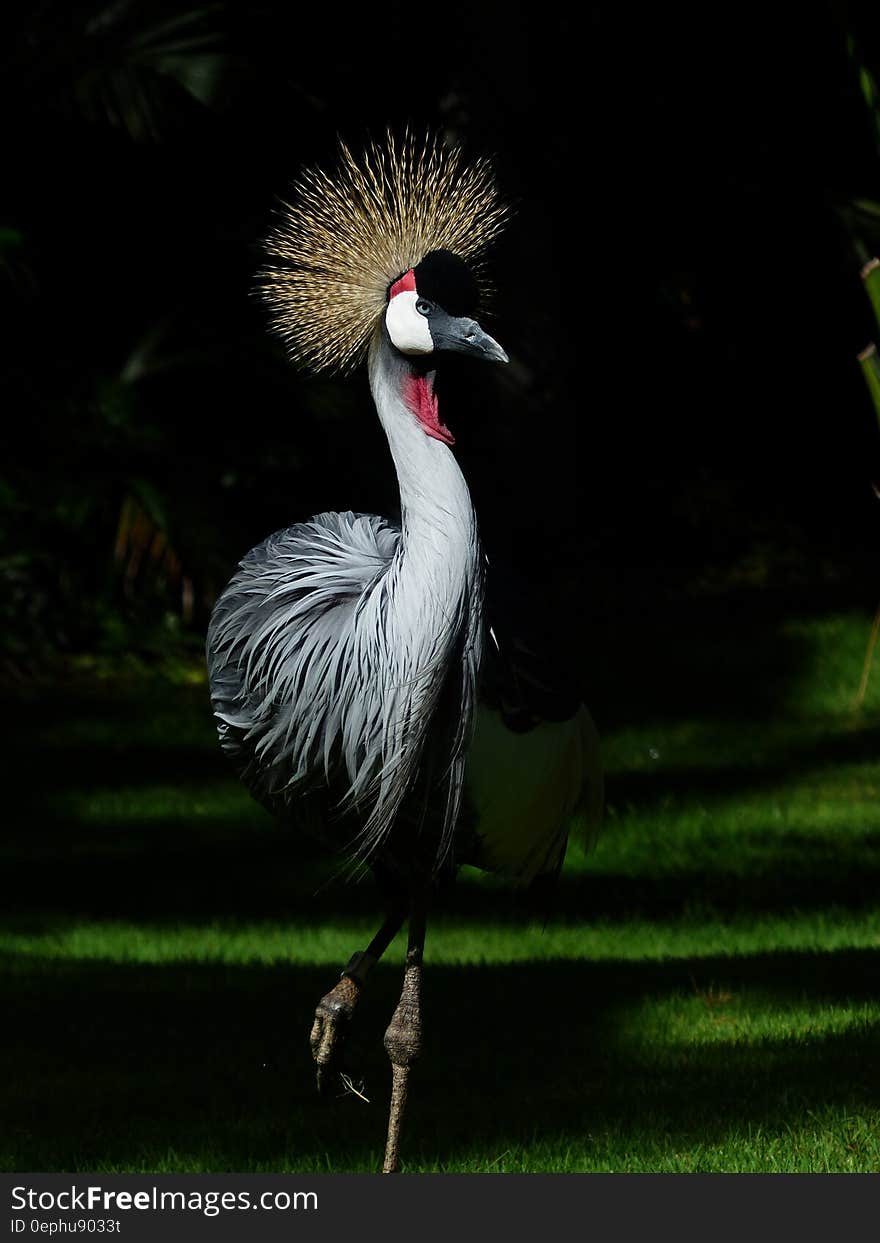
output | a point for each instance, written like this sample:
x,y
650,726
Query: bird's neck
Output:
x,y
438,520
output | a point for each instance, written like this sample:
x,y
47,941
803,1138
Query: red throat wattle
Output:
x,y
419,395
418,390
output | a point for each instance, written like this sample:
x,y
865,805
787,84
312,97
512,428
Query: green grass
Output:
x,y
706,996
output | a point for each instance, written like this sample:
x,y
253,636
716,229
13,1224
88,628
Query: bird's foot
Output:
x,y
333,1015
330,1028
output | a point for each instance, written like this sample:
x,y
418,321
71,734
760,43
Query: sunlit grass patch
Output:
x,y
453,940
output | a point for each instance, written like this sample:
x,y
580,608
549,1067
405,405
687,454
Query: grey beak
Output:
x,y
490,349
465,336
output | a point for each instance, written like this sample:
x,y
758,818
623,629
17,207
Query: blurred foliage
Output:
x,y
862,218
105,369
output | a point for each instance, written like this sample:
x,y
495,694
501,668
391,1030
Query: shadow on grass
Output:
x,y
44,772
794,761
198,869
195,865
710,659
122,1065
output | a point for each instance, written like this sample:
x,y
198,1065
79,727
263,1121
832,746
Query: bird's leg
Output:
x,y
336,1008
403,1039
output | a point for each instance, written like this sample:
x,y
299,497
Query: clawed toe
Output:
x,y
329,1031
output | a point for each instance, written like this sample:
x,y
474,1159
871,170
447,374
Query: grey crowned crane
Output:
x,y
356,682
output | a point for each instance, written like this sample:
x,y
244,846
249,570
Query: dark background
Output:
x,y
678,462
684,424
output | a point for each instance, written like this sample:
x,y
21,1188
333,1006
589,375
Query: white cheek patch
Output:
x,y
408,329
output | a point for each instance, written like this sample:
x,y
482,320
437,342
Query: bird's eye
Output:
x,y
424,307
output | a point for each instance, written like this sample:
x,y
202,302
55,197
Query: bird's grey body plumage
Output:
x,y
344,661
311,695
338,639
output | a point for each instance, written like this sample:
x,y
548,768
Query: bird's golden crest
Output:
x,y
344,236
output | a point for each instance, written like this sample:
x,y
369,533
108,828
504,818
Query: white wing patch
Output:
x,y
530,789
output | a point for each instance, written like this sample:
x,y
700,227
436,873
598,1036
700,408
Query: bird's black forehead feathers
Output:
x,y
447,280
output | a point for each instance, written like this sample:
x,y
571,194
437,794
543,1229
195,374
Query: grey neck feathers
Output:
x,y
436,581
439,523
